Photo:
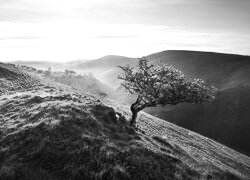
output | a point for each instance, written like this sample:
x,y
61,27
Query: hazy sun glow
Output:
x,y
70,30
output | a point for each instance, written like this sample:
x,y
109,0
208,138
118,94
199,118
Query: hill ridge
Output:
x,y
194,51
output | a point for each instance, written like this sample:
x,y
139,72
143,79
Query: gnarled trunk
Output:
x,y
134,115
135,108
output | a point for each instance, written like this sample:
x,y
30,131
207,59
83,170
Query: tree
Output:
x,y
69,72
161,85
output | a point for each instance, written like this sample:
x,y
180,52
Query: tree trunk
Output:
x,y
135,108
134,112
134,116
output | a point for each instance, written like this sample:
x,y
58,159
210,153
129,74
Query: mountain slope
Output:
x,y
103,67
221,70
106,62
54,132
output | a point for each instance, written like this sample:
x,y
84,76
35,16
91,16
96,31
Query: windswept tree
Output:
x,y
161,85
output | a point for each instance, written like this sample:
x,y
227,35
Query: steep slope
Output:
x,y
12,79
54,132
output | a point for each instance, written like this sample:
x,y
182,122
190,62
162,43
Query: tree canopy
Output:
x,y
162,85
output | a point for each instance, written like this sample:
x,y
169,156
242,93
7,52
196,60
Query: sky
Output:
x,y
65,30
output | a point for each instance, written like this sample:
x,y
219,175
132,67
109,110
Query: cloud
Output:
x,y
115,37
72,29
27,11
68,41
211,15
19,37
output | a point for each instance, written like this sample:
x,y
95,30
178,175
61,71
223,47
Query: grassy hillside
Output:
x,y
55,132
12,79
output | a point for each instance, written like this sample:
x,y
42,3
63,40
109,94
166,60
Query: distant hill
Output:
x,y
105,62
40,64
104,68
221,70
52,131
